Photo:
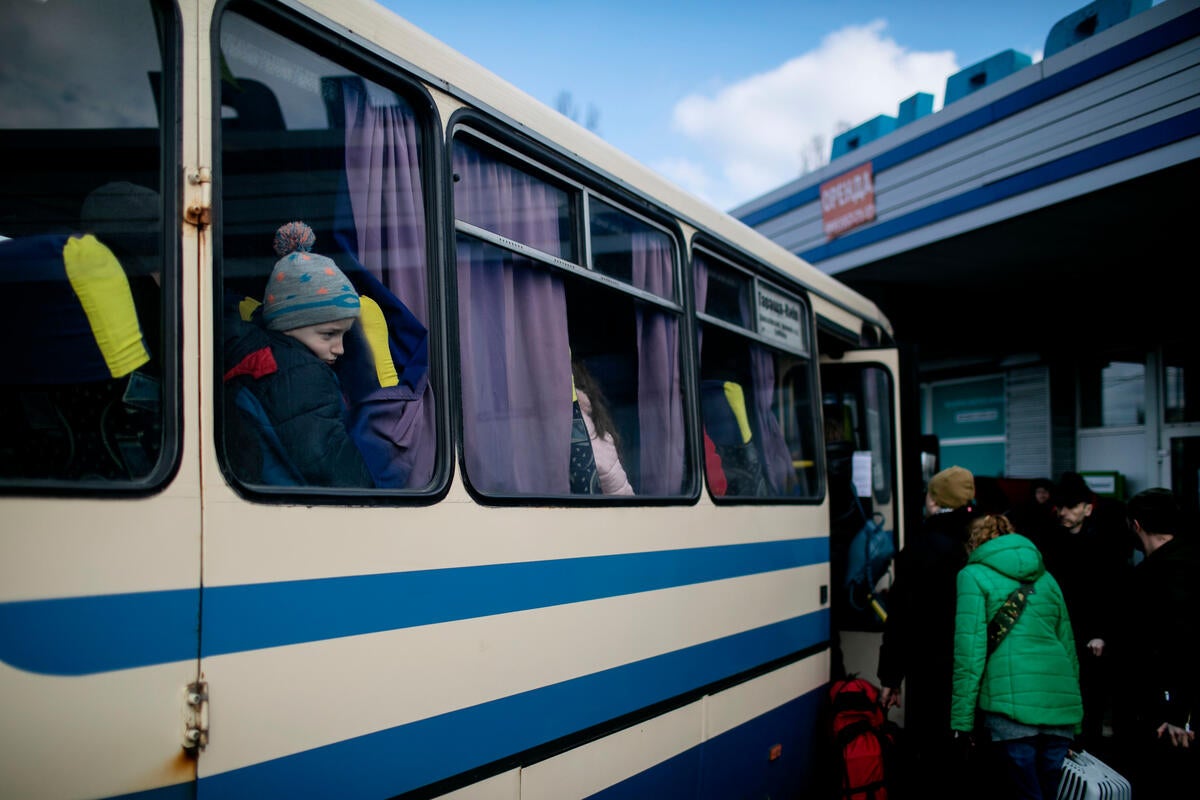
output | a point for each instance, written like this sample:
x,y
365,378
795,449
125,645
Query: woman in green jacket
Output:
x,y
1027,689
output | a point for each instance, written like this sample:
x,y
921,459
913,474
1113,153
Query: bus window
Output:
x,y
82,253
307,139
858,412
536,326
756,400
627,248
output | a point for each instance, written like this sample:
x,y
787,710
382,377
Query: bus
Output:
x,y
618,444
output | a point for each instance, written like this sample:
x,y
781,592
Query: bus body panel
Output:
x,y
486,649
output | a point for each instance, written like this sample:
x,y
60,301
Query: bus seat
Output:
x,y
254,103
727,424
385,376
72,404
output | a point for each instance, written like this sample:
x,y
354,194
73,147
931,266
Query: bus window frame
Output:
x,y
169,41
711,249
861,367
581,196
541,160
341,47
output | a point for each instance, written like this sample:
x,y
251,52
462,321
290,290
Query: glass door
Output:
x,y
1181,426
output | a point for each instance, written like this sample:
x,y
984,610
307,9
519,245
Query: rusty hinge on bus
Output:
x,y
195,730
199,210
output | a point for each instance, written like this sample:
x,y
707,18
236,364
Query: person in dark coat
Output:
x,y
1037,518
1087,559
1155,651
918,637
285,415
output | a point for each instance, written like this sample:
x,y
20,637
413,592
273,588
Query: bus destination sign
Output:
x,y
780,319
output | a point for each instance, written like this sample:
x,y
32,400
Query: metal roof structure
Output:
x,y
1049,212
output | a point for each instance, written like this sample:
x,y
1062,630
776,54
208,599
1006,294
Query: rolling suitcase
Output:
x,y
1086,777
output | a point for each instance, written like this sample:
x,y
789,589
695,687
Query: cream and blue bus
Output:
x,y
617,441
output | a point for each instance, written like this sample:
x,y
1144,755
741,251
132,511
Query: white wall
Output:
x,y
1122,449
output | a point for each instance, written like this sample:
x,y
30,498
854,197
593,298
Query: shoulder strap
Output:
x,y
1007,615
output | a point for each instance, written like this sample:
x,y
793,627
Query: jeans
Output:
x,y
1033,765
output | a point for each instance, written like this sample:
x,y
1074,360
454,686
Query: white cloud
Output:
x,y
687,173
757,132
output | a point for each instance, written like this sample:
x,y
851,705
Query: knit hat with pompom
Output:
x,y
305,288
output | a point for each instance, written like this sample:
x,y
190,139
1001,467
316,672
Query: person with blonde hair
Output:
x,y
1016,674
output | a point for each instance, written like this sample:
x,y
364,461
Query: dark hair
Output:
x,y
1157,511
1073,490
601,419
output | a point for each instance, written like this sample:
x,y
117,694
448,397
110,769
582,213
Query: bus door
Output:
x,y
860,402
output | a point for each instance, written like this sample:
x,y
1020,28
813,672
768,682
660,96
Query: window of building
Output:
x,y
1181,385
307,137
969,417
570,373
88,397
757,395
1112,393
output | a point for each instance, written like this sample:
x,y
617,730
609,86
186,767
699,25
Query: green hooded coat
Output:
x,y
1033,676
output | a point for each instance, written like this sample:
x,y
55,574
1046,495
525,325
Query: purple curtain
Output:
x,y
383,177
777,459
516,363
383,190
660,402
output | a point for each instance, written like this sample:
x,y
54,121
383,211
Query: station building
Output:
x,y
1034,244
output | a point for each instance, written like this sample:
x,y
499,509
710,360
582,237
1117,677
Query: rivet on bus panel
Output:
x,y
199,213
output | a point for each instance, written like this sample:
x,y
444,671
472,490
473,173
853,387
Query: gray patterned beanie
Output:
x,y
305,288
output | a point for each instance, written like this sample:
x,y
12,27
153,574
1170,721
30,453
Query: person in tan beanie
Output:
x,y
918,637
950,489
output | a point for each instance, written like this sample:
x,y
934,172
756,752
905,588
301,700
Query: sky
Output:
x,y
733,99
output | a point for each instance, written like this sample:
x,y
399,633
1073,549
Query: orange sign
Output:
x,y
848,200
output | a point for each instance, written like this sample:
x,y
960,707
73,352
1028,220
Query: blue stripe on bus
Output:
x,y
241,618
407,757
79,636
83,635
1185,27
179,791
737,763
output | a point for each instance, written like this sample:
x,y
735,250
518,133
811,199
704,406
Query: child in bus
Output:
x,y
285,413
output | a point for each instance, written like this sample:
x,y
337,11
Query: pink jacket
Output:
x,y
613,479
